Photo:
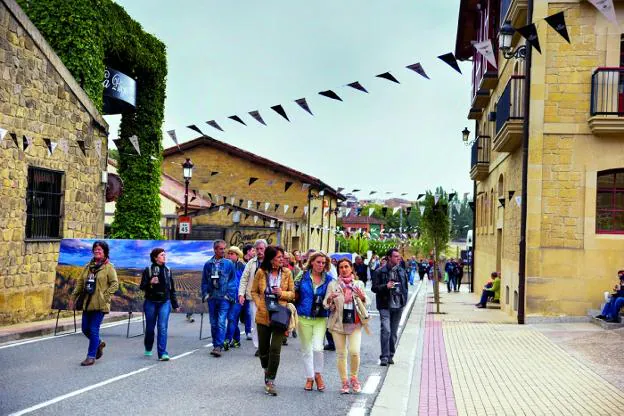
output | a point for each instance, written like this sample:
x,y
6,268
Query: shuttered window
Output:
x,y
44,200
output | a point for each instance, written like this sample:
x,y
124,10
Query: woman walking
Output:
x,y
275,283
160,298
313,317
95,286
346,298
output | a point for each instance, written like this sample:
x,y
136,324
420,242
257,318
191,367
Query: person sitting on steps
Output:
x,y
488,292
612,308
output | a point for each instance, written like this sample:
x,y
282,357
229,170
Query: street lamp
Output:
x,y
505,36
187,173
465,134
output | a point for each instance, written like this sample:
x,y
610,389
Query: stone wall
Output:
x,y
38,98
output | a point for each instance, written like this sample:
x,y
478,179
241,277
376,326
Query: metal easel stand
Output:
x,y
201,328
142,324
57,319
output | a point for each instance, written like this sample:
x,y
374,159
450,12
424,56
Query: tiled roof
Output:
x,y
174,190
355,219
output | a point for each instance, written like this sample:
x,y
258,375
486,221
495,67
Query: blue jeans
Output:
x,y
246,311
452,281
91,321
233,332
218,310
612,308
156,312
412,275
485,295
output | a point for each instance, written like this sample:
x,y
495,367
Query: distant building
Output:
x,y
373,226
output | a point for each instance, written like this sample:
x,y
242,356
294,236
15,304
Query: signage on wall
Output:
x,y
119,92
184,225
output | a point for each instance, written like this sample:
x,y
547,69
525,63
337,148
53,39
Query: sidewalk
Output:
x,y
470,361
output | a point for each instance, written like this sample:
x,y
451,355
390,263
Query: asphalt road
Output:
x,y
43,377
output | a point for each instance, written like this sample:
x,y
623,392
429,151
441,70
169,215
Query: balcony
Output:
x,y
484,79
607,102
510,116
480,158
515,11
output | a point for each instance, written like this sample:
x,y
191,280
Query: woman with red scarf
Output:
x,y
344,323
95,286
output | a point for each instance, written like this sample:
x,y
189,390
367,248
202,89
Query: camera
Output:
x,y
90,284
317,306
348,313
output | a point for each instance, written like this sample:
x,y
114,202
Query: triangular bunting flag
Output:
x,y
83,147
135,143
449,59
305,211
256,114
285,209
97,143
50,145
296,227
357,86
26,142
231,200
237,118
388,76
3,133
557,22
240,202
224,199
395,210
471,204
606,8
330,94
339,189
419,196
325,211
246,216
280,110
452,195
173,136
272,223
355,190
436,198
519,200
266,206
255,218
417,67
314,209
194,195
384,211
213,173
229,211
15,140
304,104
408,211
258,205
422,209
370,211
276,207
529,32
210,196
252,180
486,50
220,208
501,201
192,127
214,124
511,194
295,209
287,185
64,145
347,212
249,204
305,186
404,193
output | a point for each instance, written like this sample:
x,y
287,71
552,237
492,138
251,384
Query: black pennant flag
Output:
x,y
330,94
449,58
252,180
408,210
501,200
256,114
314,210
355,190
339,189
210,196
214,124
404,193
246,216
48,144
372,192
417,67
224,199
237,118
280,110
297,227
213,173
14,137
240,202
81,144
384,211
304,104
357,86
557,22
295,209
529,32
195,128
194,197
388,76
287,185
258,205
419,196
471,204
276,207
452,195
511,194
229,211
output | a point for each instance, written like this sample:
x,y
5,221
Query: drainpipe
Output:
x,y
525,175
473,249
309,215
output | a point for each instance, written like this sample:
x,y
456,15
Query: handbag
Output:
x,y
279,316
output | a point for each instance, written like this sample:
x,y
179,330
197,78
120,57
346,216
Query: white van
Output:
x,y
469,240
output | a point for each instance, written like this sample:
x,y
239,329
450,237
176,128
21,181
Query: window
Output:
x,y
44,199
610,202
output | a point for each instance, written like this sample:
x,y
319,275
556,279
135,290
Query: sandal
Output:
x,y
355,385
345,388
320,384
309,384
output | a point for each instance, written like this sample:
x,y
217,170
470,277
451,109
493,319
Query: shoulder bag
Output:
x,y
279,316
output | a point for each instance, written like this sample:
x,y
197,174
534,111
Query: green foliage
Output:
x,y
461,219
89,35
353,244
435,226
380,247
395,221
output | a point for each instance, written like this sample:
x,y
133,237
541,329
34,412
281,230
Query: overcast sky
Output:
x,y
231,57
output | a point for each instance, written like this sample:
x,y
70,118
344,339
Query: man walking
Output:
x,y
244,288
218,273
390,286
361,270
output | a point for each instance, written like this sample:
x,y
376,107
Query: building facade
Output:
x,y
575,176
51,171
254,197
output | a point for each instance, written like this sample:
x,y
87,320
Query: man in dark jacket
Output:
x,y
361,270
390,286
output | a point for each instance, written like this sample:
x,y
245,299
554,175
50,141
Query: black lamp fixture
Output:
x,y
187,174
466,137
505,36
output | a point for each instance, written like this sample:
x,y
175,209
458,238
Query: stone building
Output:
x,y
575,192
255,197
52,160
354,223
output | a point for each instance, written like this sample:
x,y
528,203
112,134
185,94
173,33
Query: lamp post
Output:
x,y
187,174
505,36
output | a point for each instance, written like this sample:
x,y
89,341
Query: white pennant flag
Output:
x,y
340,214
519,200
485,48
52,147
370,211
255,219
285,209
266,206
29,141
305,186
305,210
3,133
64,145
98,147
249,204
359,230
347,212
325,211
272,223
231,200
606,8
173,136
422,209
220,208
135,143
395,210
436,198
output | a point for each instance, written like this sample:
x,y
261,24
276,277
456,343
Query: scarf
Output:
x,y
346,283
95,266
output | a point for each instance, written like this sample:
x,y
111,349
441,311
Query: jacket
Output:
x,y
244,287
496,287
232,290
258,288
305,287
334,323
106,284
164,290
380,288
219,289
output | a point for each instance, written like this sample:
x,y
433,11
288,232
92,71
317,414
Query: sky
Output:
x,y
231,57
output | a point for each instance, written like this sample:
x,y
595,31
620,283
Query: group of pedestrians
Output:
x,y
250,285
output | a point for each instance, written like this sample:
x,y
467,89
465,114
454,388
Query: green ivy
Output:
x,y
89,35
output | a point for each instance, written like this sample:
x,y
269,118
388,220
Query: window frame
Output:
x,y
32,218
613,190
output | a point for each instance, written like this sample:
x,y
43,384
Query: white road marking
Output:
x,y
208,345
371,383
358,408
183,355
80,391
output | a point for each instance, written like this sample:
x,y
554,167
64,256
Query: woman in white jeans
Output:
x,y
310,293
344,322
